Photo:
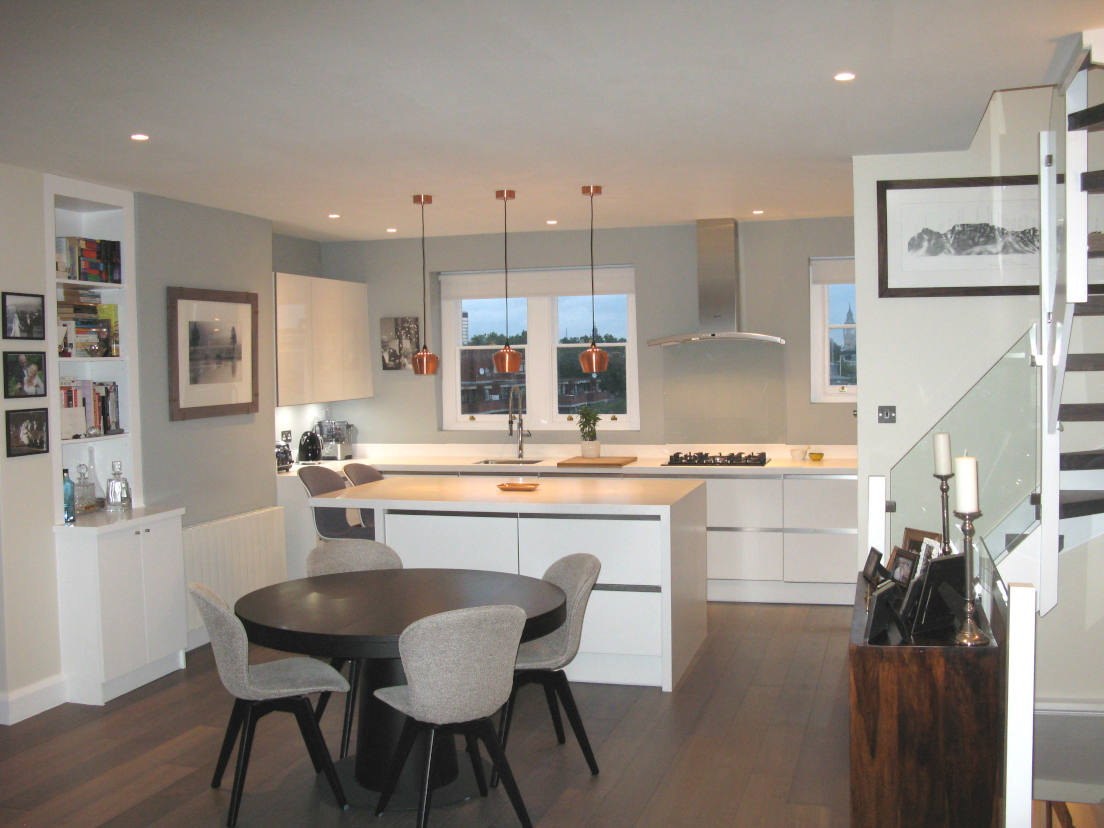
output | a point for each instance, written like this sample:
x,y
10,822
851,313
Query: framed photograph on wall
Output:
x,y
24,315
27,431
212,353
24,374
958,236
398,341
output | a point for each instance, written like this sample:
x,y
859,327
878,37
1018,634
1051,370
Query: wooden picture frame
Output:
x,y
903,566
24,374
958,236
27,431
212,353
24,315
913,539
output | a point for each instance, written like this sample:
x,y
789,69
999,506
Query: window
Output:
x,y
833,329
550,323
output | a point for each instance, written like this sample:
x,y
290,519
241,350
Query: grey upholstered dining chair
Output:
x,y
458,667
541,661
330,523
359,473
260,689
348,555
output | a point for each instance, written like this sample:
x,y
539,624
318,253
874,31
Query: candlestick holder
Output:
x,y
944,496
969,634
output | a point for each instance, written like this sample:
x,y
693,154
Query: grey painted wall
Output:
x,y
292,255
217,466
711,392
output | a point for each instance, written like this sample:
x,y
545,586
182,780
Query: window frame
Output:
x,y
823,272
541,288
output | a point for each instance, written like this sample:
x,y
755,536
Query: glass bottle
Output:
x,y
70,497
93,476
118,489
86,491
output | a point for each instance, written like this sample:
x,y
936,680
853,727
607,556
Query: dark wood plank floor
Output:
x,y
755,735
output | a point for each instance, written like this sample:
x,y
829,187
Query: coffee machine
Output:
x,y
337,439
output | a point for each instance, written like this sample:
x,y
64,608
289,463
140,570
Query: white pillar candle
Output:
x,y
942,445
966,484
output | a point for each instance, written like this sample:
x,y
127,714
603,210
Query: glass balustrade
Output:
x,y
996,421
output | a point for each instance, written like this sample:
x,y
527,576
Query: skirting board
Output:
x,y
780,592
31,700
610,668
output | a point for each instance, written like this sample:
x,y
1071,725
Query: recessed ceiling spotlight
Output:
x,y
335,215
392,229
551,221
757,212
844,76
139,136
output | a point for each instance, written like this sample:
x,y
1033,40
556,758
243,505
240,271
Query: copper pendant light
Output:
x,y
506,361
425,361
593,359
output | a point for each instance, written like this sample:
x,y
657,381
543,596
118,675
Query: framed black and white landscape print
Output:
x,y
958,236
212,353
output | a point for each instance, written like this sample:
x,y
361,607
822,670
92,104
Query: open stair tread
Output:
x,y
1076,502
1090,119
1085,362
1093,181
1081,412
1093,307
1082,460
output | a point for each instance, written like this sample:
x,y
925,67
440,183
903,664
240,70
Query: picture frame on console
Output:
x,y
903,566
913,539
212,353
976,236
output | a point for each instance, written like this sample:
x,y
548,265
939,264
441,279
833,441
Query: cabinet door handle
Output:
x,y
146,531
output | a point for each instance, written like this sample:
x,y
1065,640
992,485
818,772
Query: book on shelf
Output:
x,y
88,260
88,407
87,327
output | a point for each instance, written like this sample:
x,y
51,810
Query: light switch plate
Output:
x,y
887,413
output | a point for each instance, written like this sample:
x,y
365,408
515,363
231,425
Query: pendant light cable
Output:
x,y
425,314
425,361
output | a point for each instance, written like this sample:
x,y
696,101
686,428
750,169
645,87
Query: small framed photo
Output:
x,y
903,565
398,341
24,374
913,539
27,431
24,315
872,565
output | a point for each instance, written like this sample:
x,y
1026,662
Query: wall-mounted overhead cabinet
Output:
x,y
322,340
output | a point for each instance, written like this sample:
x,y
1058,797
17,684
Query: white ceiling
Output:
x,y
290,109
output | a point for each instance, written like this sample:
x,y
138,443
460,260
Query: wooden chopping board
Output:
x,y
597,461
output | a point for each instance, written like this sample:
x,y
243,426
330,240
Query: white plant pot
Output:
x,y
591,448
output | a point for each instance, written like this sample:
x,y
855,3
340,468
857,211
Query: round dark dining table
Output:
x,y
359,615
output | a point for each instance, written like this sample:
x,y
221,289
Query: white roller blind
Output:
x,y
832,271
570,281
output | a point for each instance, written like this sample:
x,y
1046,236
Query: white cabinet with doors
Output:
x,y
323,340
121,595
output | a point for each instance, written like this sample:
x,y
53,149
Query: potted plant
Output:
x,y
588,431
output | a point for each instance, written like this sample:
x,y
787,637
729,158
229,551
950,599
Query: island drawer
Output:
x,y
629,549
626,623
821,558
818,503
744,502
752,556
454,541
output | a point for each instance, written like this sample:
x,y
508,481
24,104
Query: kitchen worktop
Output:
x,y
465,460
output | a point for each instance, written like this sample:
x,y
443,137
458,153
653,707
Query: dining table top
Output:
x,y
361,614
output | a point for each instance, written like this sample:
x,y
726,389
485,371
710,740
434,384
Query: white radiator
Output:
x,y
233,556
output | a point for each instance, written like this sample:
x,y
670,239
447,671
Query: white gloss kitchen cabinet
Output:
x,y
323,340
784,538
121,596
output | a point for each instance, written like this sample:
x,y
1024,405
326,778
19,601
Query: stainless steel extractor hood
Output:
x,y
718,288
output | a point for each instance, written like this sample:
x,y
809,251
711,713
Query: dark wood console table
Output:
x,y
927,729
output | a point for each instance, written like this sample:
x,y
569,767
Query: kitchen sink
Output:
x,y
508,461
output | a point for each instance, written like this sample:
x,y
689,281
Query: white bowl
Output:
x,y
798,454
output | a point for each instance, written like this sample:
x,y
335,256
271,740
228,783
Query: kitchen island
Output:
x,y
647,614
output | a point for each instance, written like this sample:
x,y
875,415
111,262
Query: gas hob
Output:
x,y
703,458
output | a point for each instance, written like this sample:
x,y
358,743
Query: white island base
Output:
x,y
647,615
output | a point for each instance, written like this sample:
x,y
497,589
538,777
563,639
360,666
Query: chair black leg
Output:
x,y
249,723
232,728
427,789
568,702
402,750
487,734
350,706
316,747
504,727
324,698
553,708
477,763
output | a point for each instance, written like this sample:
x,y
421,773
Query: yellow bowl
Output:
x,y
816,456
